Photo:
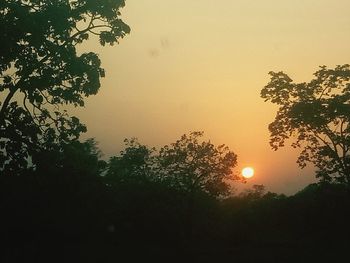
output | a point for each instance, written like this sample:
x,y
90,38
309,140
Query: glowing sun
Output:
x,y
248,172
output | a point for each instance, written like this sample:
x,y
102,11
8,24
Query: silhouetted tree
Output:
x,y
317,114
79,158
257,192
132,165
196,167
193,165
59,202
40,70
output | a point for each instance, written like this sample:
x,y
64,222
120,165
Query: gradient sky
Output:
x,y
200,65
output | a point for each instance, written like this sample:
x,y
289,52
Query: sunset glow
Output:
x,y
247,172
204,130
187,82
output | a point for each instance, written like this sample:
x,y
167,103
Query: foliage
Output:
x,y
65,204
256,192
73,158
188,165
132,165
41,70
317,114
193,165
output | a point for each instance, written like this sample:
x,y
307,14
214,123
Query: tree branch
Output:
x,y
6,104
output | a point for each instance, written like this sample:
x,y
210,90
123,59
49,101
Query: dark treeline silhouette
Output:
x,y
75,206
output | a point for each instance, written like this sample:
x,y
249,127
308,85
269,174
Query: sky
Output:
x,y
200,65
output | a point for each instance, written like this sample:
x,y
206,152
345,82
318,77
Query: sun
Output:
x,y
248,172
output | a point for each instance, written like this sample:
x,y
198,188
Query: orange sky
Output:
x,y
200,65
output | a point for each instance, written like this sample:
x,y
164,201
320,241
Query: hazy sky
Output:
x,y
200,65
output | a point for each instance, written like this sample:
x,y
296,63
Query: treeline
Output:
x,y
75,206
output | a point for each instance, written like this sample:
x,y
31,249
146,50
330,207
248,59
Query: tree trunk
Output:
x,y
5,105
189,217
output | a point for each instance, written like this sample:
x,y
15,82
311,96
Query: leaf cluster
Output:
x,y
41,69
317,115
190,164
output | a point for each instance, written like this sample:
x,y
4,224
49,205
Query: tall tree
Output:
x,y
316,114
41,70
191,165
194,166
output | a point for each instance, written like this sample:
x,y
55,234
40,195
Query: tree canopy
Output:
x,y
41,70
189,165
132,165
317,115
192,164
